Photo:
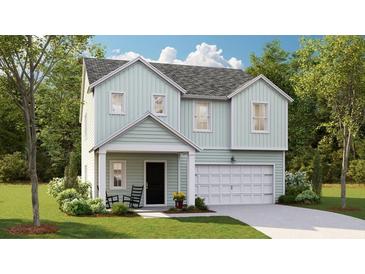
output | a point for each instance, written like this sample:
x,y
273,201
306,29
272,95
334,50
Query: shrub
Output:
x,y
120,209
190,208
307,197
77,207
97,206
296,183
13,167
357,171
287,199
200,204
57,185
317,174
67,195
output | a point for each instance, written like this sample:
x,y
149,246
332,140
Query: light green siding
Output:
x,y
242,137
139,84
150,132
135,171
220,135
242,157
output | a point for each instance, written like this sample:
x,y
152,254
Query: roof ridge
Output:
x,y
125,60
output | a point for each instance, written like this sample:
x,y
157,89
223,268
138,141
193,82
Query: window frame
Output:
x,y
210,117
124,111
111,175
164,114
253,130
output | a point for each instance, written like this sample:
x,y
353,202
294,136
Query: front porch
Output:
x,y
174,176
148,153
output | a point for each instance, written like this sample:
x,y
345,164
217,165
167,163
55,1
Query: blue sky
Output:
x,y
238,47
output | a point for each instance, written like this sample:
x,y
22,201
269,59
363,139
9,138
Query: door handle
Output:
x,y
146,185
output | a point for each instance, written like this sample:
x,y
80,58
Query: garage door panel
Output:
x,y
235,184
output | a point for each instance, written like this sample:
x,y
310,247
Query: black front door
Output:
x,y
155,183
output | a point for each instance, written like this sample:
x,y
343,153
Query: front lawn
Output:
x,y
15,208
331,200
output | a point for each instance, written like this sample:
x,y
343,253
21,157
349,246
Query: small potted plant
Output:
x,y
179,198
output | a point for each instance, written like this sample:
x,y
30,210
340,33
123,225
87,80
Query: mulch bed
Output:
x,y
30,229
348,209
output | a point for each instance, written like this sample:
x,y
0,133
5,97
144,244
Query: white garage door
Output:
x,y
234,184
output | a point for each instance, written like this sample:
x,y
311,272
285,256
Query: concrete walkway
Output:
x,y
279,222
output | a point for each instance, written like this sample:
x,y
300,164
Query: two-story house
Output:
x,y
216,133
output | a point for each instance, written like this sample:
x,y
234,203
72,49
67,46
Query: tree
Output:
x,y
26,61
332,69
58,105
317,174
280,66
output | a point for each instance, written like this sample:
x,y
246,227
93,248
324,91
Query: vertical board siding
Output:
x,y
242,106
139,84
241,157
148,131
135,172
220,135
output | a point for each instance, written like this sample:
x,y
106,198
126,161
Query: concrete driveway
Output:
x,y
279,222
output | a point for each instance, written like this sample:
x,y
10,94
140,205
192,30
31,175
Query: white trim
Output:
x,y
191,179
216,148
126,65
147,114
210,117
267,131
145,148
254,80
178,111
286,124
247,164
144,182
283,182
165,104
178,172
233,128
124,98
102,175
111,175
259,148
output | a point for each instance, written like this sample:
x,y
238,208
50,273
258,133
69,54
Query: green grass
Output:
x,y
331,199
15,208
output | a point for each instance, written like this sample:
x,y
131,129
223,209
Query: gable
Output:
x,y
147,66
261,79
148,131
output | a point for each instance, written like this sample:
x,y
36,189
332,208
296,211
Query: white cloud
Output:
x,y
129,55
204,55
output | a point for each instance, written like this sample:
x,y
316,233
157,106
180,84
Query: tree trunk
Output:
x,y
345,158
29,118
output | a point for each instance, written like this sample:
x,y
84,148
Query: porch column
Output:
x,y
102,175
191,179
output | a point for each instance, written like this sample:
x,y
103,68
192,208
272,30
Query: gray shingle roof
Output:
x,y
196,80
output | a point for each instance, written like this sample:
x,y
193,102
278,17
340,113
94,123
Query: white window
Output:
x,y
159,105
118,178
85,126
202,116
260,117
117,102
